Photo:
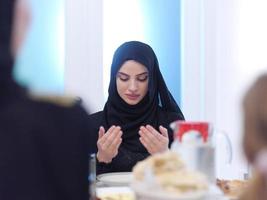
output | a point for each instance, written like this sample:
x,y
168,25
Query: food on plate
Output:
x,y
232,188
158,163
116,197
168,172
114,193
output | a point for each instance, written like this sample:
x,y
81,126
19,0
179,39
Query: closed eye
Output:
x,y
123,77
142,77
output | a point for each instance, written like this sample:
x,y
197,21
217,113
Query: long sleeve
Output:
x,y
123,162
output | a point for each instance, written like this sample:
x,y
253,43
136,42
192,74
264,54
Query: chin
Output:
x,y
131,102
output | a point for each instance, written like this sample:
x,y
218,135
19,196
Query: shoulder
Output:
x,y
56,100
48,117
62,109
58,105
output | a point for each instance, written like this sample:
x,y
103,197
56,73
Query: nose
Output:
x,y
133,86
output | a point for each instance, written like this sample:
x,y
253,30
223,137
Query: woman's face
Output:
x,y
132,82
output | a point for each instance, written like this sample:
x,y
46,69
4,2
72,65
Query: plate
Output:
x,y
145,193
115,193
115,179
153,192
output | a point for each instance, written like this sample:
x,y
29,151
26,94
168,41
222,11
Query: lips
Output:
x,y
132,96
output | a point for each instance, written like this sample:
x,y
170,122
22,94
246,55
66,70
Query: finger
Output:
x,y
114,133
148,133
147,136
110,130
146,145
161,137
101,132
147,140
154,133
101,139
115,146
115,142
119,143
111,137
163,131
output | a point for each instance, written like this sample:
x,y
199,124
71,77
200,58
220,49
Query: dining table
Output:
x,y
118,186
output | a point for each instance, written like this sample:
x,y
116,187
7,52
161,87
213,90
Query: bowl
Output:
x,y
143,192
115,179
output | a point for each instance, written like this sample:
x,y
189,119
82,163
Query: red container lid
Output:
x,y
183,127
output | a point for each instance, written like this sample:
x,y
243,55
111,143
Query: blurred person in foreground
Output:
x,y
43,146
255,138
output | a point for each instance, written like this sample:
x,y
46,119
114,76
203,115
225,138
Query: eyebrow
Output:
x,y
143,73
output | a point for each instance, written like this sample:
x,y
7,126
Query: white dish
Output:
x,y
146,193
115,179
150,192
116,193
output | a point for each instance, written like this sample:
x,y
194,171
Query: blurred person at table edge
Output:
x,y
255,138
43,145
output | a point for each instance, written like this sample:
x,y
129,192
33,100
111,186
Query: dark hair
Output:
x,y
255,134
255,118
6,23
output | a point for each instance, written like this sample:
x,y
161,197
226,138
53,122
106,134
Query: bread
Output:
x,y
159,163
232,188
169,172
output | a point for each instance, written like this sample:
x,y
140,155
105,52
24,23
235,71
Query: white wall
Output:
x,y
84,51
222,53
210,92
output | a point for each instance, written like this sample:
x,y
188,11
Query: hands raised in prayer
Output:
x,y
108,143
152,140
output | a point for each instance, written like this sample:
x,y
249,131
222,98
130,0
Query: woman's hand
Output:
x,y
152,140
108,143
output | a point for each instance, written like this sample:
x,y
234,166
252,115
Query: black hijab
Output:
x,y
131,117
6,22
7,84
